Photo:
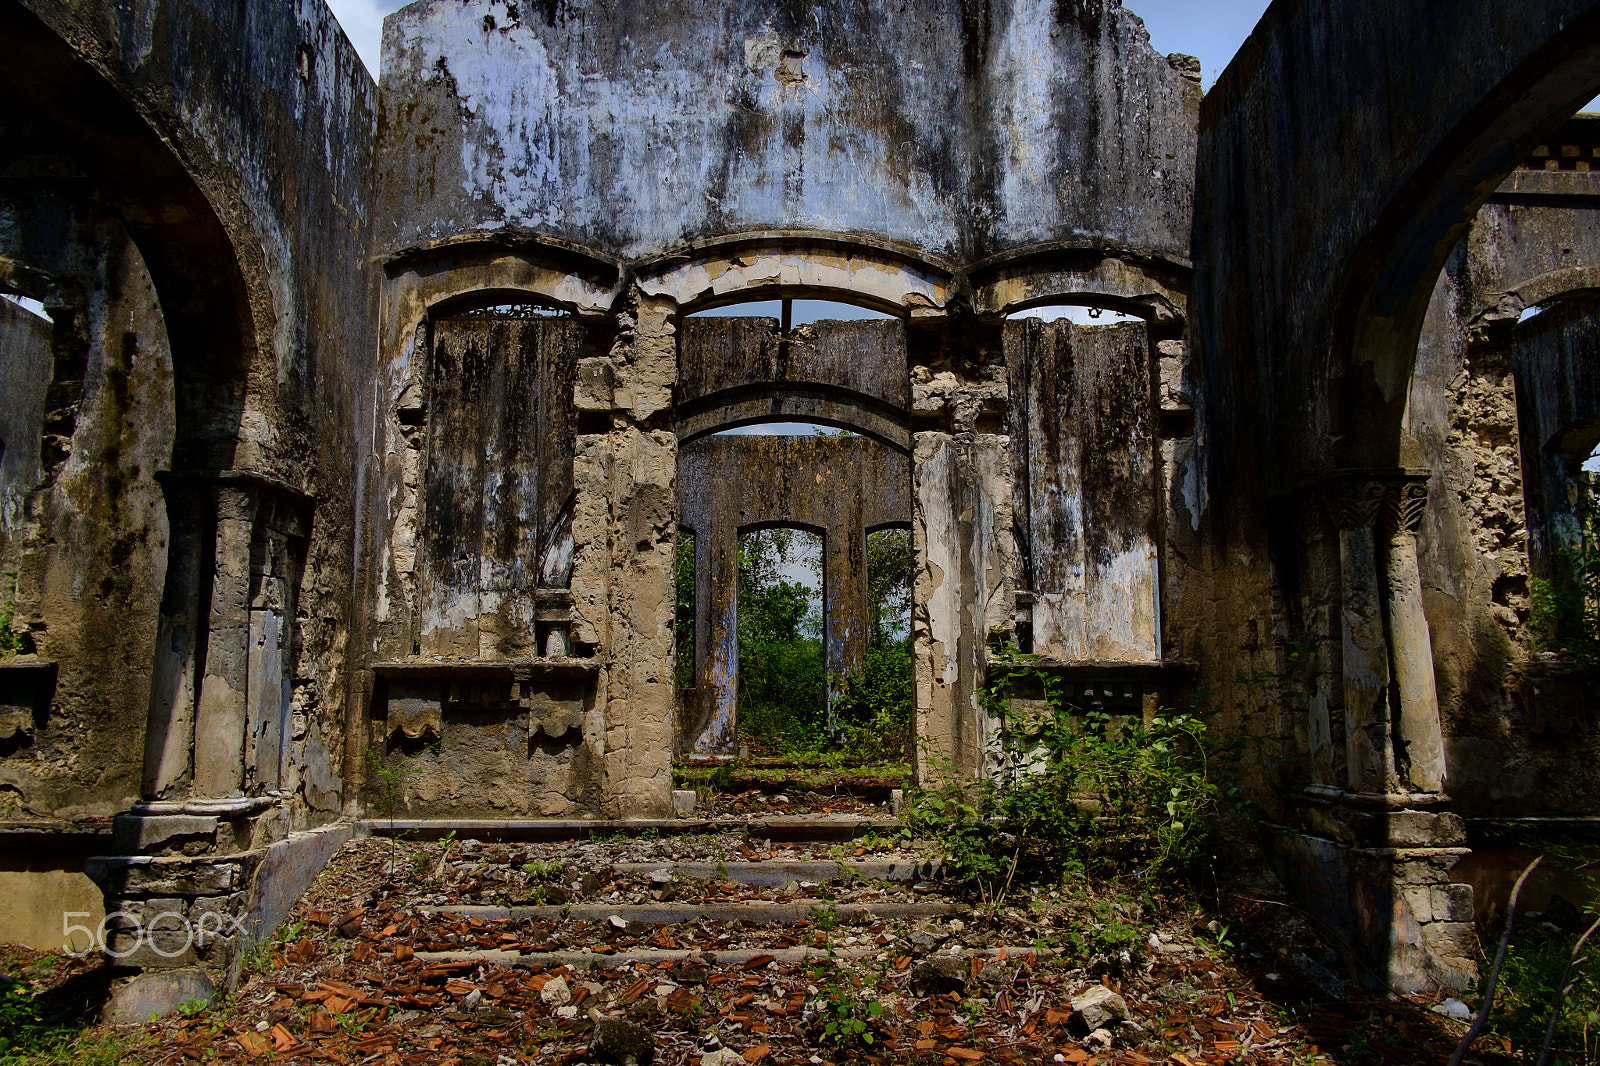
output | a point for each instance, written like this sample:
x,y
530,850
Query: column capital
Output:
x,y
1405,503
1353,502
1356,498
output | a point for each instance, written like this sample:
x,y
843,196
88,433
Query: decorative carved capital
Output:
x,y
1356,500
1406,501
1353,502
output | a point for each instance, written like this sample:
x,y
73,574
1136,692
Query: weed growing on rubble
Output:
x,y
847,1012
1076,794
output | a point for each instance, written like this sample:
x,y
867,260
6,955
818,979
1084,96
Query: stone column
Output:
x,y
1369,750
1420,743
221,713
717,640
169,737
844,598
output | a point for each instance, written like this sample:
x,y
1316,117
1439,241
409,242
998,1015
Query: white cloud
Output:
x,y
363,24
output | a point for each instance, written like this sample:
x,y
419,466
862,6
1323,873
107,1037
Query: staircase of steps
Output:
x,y
730,939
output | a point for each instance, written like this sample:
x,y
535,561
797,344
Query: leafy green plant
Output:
x,y
1537,966
1086,793
848,1012
1564,607
873,706
385,784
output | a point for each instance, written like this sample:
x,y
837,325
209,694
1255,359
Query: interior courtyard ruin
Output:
x,y
352,427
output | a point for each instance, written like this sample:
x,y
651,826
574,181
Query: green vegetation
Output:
x,y
1079,796
849,1010
1536,966
782,694
1564,609
44,1029
783,686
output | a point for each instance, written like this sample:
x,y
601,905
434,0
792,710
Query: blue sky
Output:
x,y
1213,30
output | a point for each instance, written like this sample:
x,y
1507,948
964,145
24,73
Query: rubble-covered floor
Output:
x,y
396,956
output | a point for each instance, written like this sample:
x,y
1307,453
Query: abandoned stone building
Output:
x,y
345,416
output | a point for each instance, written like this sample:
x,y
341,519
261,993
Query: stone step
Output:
x,y
733,958
681,913
775,873
799,828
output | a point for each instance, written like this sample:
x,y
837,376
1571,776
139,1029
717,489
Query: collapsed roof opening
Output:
x,y
785,429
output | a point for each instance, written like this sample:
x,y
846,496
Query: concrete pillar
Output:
x,y
625,529
1369,748
1420,743
169,737
844,597
716,614
221,713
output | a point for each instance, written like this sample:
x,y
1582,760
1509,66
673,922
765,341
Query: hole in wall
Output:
x,y
512,309
27,303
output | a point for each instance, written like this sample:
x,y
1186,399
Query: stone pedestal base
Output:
x,y
1377,872
179,923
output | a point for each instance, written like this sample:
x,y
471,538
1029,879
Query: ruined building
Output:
x,y
347,417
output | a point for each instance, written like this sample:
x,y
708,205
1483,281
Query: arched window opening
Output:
x,y
782,696
785,429
1080,314
792,314
501,308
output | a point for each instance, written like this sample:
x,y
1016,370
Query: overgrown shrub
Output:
x,y
1077,794
1534,968
873,708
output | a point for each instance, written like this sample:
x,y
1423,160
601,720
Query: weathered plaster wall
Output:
x,y
632,128
1083,437
256,243
498,479
1291,246
83,537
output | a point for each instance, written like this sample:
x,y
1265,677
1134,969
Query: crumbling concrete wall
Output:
x,y
959,130
963,532
625,523
1501,412
83,536
1083,439
1332,186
